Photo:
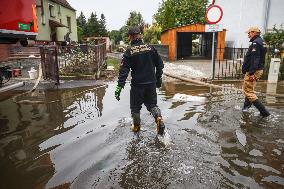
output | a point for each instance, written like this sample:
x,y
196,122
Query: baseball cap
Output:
x,y
134,30
253,29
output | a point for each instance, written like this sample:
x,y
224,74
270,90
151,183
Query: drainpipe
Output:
x,y
42,13
42,8
266,16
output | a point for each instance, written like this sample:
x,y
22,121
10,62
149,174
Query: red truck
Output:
x,y
18,21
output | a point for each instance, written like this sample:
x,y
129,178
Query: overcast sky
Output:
x,y
116,11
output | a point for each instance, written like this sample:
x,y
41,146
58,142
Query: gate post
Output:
x,y
213,56
274,70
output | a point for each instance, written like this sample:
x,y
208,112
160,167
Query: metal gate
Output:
x,y
84,58
49,63
72,59
231,66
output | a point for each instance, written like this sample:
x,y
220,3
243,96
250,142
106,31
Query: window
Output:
x,y
69,23
51,10
59,10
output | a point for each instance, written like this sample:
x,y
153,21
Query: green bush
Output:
x,y
152,35
275,38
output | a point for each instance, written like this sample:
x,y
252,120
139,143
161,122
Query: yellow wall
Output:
x,y
44,29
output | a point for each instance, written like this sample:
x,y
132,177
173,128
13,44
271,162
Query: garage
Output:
x,y
192,42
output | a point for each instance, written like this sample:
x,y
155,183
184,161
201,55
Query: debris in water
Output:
x,y
188,98
241,137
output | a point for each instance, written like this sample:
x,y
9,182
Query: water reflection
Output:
x,y
271,89
80,138
249,143
25,126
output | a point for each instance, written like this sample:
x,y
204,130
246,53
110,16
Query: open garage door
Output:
x,y
194,45
184,45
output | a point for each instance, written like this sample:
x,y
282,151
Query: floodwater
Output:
x,y
81,138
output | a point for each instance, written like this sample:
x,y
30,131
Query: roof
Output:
x,y
64,3
175,27
54,23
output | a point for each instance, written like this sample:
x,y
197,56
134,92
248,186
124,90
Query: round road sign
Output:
x,y
211,2
214,14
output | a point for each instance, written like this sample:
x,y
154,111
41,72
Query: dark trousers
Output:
x,y
142,94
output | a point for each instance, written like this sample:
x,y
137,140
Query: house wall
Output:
x,y
62,31
239,15
276,13
44,29
43,23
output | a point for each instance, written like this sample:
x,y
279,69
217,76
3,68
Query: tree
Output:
x,y
81,20
93,25
152,34
81,26
123,32
115,35
102,26
173,13
134,19
275,39
80,34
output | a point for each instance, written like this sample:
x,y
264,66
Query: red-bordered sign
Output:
x,y
214,14
212,2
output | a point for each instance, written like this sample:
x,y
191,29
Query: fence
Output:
x,y
163,51
49,63
231,66
85,59
75,59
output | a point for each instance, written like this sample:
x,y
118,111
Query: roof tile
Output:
x,y
64,3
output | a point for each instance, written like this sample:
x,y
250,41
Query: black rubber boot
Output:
x,y
247,105
261,108
136,122
156,112
1,79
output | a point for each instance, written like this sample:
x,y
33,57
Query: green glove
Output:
x,y
117,92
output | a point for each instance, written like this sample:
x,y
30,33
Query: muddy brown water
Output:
x,y
81,138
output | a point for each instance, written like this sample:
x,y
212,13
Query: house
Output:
x,y
239,15
56,21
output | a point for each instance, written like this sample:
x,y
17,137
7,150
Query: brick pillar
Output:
x,y
4,52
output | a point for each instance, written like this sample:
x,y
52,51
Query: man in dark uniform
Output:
x,y
146,71
253,70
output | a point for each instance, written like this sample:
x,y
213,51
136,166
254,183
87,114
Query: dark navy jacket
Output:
x,y
255,57
144,62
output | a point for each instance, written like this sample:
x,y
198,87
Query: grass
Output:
x,y
113,62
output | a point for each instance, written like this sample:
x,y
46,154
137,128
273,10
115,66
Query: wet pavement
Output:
x,y
197,68
81,138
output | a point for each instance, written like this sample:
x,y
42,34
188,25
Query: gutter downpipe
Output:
x,y
42,9
266,16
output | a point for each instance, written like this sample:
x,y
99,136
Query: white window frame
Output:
x,y
52,10
69,26
59,10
